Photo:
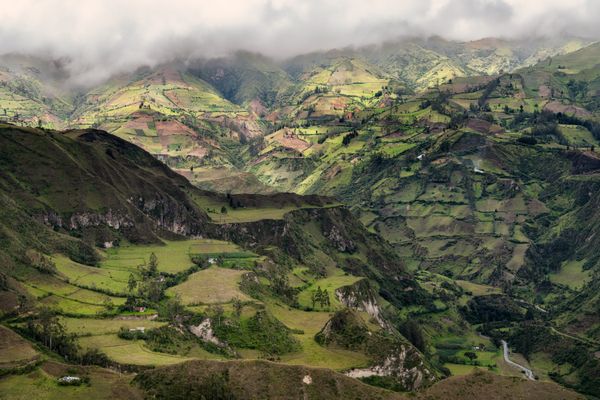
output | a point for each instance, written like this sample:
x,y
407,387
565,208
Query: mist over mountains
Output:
x,y
300,199
99,39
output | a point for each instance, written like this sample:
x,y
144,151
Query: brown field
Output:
x,y
14,350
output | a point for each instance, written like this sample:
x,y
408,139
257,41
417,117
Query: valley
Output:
x,y
376,222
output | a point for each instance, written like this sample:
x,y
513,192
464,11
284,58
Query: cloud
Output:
x,y
101,37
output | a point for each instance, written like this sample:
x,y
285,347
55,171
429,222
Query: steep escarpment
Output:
x,y
94,185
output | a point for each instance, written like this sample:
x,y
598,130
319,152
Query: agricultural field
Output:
x,y
571,274
70,299
173,256
112,280
105,326
14,350
42,384
310,323
127,351
330,284
214,285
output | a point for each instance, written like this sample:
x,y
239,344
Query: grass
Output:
x,y
478,289
571,274
578,136
68,298
210,286
42,384
92,326
68,306
394,149
331,284
93,277
129,352
312,353
14,349
173,257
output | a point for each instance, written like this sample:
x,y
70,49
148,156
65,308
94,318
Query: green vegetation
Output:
x,y
472,218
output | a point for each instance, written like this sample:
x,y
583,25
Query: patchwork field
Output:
x,y
104,326
210,286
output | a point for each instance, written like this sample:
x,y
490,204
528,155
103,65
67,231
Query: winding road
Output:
x,y
527,371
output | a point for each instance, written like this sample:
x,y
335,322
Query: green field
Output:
x,y
210,286
173,256
113,280
128,352
571,274
94,326
312,353
331,284
42,384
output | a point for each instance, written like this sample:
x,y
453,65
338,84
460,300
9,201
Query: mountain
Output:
x,y
392,213
88,213
34,90
244,78
485,179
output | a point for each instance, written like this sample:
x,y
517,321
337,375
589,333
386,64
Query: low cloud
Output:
x,y
107,36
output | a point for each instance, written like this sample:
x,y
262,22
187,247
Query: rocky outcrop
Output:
x,y
361,296
403,364
204,332
392,356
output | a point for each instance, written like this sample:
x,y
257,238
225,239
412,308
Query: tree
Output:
x,y
151,290
131,283
412,331
470,355
173,309
108,303
326,300
216,313
319,296
237,307
223,210
153,265
313,298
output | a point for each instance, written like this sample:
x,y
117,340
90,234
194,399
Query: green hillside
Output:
x,y
386,214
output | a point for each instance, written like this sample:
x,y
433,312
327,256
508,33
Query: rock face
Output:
x,y
90,183
205,332
392,356
403,364
361,296
341,243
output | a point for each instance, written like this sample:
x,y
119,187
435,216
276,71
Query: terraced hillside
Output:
x,y
471,218
148,270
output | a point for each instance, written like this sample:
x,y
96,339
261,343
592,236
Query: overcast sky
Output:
x,y
110,35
